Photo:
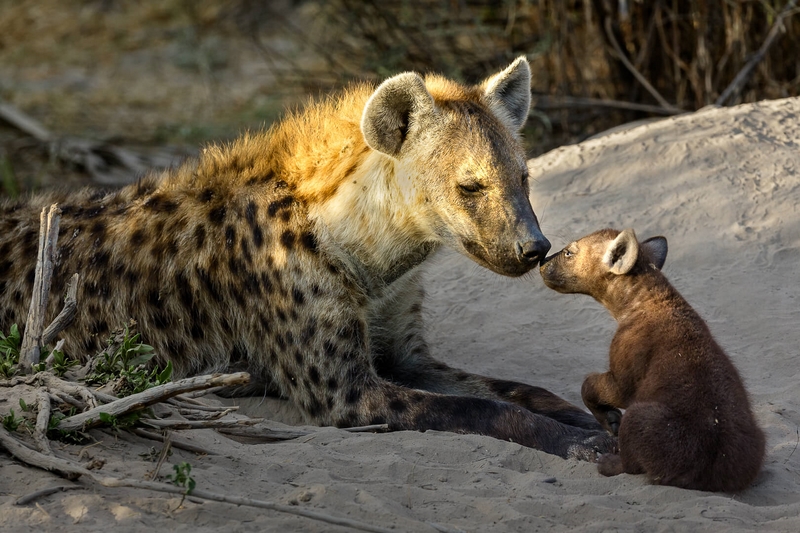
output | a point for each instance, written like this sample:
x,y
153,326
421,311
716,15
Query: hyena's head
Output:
x,y
460,164
593,263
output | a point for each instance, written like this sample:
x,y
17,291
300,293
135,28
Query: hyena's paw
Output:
x,y
613,417
610,464
591,448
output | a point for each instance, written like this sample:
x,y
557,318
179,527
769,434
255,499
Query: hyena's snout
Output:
x,y
533,251
532,246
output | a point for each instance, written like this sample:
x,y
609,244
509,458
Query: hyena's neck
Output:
x,y
365,211
375,221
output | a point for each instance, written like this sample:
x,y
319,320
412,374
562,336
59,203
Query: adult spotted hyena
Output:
x,y
294,253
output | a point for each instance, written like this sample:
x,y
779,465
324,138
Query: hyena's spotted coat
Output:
x,y
293,254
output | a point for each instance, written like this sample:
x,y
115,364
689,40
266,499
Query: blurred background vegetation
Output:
x,y
118,86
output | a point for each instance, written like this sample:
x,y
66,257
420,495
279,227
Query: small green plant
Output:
x,y
125,365
182,477
24,406
9,356
117,423
12,422
9,351
61,362
70,437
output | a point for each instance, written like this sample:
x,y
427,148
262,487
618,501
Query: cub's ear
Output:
x,y
391,112
621,253
508,93
656,249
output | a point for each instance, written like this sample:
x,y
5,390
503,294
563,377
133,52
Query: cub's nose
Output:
x,y
533,251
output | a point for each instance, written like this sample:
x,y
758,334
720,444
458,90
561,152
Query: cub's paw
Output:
x,y
591,448
610,464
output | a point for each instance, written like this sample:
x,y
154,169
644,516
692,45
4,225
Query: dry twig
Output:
x,y
67,315
146,398
638,75
42,421
34,326
736,85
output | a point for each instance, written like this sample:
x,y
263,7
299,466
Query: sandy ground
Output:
x,y
723,185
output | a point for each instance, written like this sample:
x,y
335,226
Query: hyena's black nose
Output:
x,y
533,251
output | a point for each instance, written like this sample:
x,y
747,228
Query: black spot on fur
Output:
x,y
287,239
99,259
176,347
250,213
159,203
332,384
184,290
98,229
199,236
217,215
206,195
197,331
208,284
137,238
353,395
162,320
278,205
309,241
398,406
258,237
248,258
230,237
238,355
330,349
298,296
98,326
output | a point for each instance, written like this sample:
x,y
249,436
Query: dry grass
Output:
x,y
189,71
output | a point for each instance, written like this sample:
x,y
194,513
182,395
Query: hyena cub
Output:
x,y
688,421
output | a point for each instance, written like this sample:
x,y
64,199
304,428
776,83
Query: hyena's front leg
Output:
x,y
333,381
402,356
601,395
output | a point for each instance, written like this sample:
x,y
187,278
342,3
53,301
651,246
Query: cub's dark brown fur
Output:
x,y
688,421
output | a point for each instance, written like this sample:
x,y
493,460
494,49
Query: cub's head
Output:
x,y
590,264
459,162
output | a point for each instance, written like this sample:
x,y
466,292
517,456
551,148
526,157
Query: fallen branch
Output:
x,y
565,102
146,398
48,238
176,443
735,86
72,470
261,434
42,421
200,424
30,498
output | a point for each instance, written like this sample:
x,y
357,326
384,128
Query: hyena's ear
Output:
x,y
392,110
656,249
508,93
621,253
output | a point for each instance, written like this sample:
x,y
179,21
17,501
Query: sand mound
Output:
x,y
723,185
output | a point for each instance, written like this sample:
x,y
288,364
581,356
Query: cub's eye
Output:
x,y
567,253
469,188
